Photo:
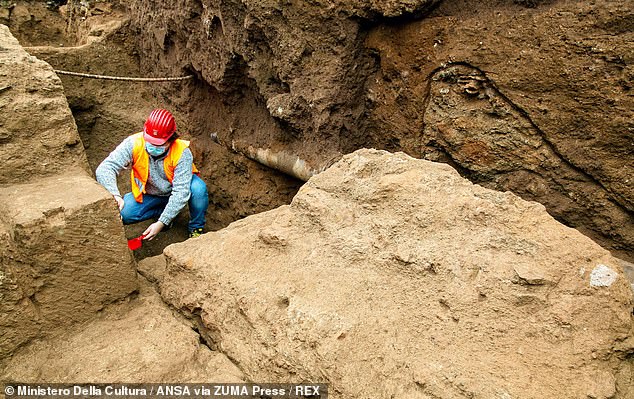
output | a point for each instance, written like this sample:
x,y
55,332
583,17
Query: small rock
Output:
x,y
530,275
4,15
602,276
20,15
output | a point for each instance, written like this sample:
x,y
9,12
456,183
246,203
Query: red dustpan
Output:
x,y
135,243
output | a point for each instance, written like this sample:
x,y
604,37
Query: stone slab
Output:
x,y
63,256
389,276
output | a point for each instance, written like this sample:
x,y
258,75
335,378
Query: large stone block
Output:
x,y
63,256
394,277
38,135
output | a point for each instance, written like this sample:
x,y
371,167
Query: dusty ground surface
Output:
x,y
367,281
543,85
137,340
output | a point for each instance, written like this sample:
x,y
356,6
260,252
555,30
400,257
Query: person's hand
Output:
x,y
120,201
153,230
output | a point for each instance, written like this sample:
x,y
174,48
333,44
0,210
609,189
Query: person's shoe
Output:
x,y
196,233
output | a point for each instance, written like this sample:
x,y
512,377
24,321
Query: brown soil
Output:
x,y
108,111
557,135
323,81
63,255
139,340
34,23
442,80
534,100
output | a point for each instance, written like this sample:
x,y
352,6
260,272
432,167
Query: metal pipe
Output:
x,y
281,161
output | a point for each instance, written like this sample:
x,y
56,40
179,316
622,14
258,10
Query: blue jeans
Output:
x,y
153,205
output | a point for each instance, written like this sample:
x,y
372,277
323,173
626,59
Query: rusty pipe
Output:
x,y
281,161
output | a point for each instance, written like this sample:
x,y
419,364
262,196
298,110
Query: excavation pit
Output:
x,y
384,273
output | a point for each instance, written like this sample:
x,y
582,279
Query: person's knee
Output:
x,y
126,216
129,213
198,187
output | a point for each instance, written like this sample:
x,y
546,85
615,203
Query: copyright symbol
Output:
x,y
9,390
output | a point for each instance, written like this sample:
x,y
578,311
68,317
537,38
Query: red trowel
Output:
x,y
136,243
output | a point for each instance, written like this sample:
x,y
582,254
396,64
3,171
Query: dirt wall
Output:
x,y
533,100
542,84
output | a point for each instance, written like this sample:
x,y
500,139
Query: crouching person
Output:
x,y
163,177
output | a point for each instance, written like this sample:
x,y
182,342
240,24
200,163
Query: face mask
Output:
x,y
155,150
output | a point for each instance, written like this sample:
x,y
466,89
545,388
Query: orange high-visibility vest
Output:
x,y
141,163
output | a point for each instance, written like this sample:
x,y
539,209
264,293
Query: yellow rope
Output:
x,y
125,78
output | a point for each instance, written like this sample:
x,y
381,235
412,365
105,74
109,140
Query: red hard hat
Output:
x,y
159,127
